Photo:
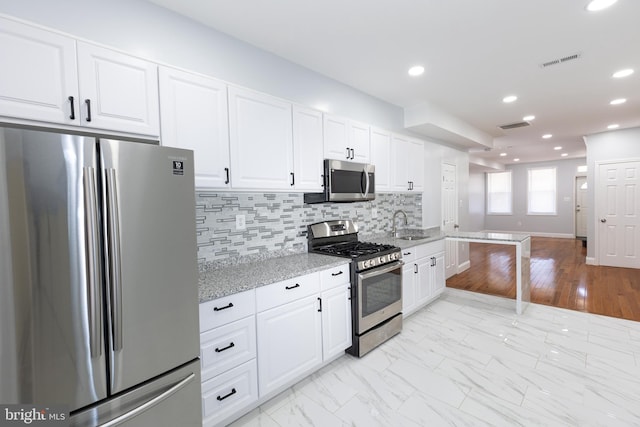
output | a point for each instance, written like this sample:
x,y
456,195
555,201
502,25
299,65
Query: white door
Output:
x,y
336,136
618,214
119,92
194,116
416,165
359,142
38,76
581,206
261,135
336,321
400,147
307,148
450,216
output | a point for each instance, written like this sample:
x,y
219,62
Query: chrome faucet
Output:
x,y
394,229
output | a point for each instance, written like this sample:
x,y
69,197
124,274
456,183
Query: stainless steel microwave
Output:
x,y
345,182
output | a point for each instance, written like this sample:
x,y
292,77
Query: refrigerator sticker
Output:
x,y
178,167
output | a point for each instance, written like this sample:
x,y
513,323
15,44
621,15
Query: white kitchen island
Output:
x,y
522,242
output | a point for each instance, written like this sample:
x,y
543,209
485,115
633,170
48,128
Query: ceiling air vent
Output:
x,y
560,60
514,125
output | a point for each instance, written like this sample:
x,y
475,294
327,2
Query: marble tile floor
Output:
x,y
468,360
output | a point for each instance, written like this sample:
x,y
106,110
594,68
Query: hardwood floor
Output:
x,y
559,277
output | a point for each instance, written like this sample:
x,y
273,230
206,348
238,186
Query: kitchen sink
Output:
x,y
413,237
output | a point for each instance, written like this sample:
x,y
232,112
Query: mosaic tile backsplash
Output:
x,y
276,223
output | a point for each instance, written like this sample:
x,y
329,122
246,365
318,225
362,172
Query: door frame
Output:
x,y
597,198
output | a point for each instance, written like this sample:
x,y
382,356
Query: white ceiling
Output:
x,y
475,53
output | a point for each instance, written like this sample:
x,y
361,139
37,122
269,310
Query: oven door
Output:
x,y
379,295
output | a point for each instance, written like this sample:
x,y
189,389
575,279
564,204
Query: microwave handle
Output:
x,y
366,185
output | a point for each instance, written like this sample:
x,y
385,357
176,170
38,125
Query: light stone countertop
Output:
x,y
219,282
488,236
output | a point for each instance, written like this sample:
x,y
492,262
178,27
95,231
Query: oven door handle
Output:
x,y
380,270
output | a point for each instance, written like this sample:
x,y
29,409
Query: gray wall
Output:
x,y
618,145
476,201
519,221
149,31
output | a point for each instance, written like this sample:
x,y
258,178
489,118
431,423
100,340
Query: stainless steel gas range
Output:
x,y
376,281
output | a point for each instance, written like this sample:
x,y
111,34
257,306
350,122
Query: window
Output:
x,y
499,193
541,198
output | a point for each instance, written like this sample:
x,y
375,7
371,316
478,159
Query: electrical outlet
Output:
x,y
374,213
240,222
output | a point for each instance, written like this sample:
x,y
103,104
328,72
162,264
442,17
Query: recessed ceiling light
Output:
x,y
509,99
622,73
563,155
528,118
416,70
618,101
613,126
557,148
503,154
516,159
596,5
547,136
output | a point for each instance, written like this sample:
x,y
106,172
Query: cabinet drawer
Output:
x,y
228,393
227,309
409,254
429,249
227,346
334,276
286,291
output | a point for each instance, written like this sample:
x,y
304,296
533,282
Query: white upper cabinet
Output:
x,y
381,158
408,162
38,76
307,148
119,92
194,116
260,131
53,78
346,139
416,164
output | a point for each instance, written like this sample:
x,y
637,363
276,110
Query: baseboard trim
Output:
x,y
535,234
464,266
590,261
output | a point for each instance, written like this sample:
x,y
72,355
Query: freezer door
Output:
x,y
173,399
51,339
152,273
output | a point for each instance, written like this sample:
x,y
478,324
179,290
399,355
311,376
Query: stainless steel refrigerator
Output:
x,y
98,279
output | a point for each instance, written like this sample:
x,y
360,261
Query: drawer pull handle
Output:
x,y
220,350
221,398
73,111
223,308
297,285
320,307
406,253
337,274
88,102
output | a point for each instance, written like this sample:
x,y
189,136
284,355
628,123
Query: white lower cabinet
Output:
x,y
256,343
289,343
423,277
228,357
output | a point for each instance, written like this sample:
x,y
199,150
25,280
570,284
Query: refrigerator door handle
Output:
x,y
113,235
138,410
93,262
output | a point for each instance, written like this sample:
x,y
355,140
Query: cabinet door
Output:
x,y
423,280
400,147
336,321
308,148
409,289
289,343
260,132
381,158
194,116
416,165
359,142
38,74
438,281
336,136
119,92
